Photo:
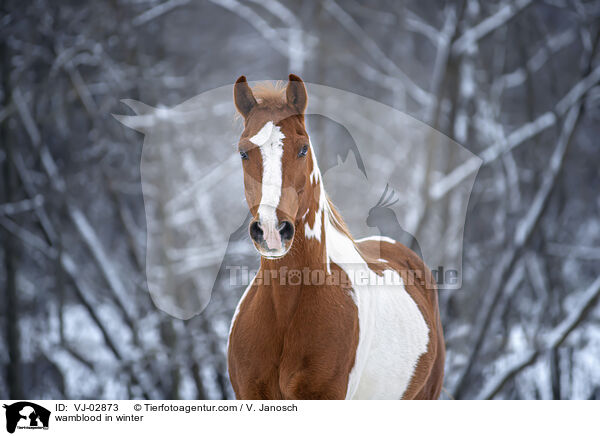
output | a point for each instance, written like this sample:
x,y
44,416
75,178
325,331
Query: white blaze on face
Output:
x,y
270,141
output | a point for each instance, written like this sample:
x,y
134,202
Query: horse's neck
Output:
x,y
285,279
307,256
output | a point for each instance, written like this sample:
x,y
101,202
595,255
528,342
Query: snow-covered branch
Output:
x,y
517,137
488,25
552,339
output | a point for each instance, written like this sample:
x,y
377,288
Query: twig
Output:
x,y
30,189
157,11
578,251
82,91
488,25
134,239
256,21
538,60
440,66
28,237
30,126
414,23
21,206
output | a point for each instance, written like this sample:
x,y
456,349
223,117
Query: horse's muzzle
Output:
x,y
272,240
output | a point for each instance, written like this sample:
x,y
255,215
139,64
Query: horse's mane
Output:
x,y
270,93
337,220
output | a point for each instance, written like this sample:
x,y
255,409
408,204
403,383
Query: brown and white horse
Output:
x,y
327,316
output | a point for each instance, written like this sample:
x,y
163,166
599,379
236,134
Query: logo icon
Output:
x,y
26,415
369,154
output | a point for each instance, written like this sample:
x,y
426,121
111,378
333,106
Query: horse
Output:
x,y
326,316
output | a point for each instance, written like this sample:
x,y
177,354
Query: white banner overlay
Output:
x,y
300,417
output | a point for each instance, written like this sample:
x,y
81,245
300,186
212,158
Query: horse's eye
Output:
x,y
303,151
244,155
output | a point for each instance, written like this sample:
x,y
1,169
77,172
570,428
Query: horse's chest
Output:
x,y
255,349
307,353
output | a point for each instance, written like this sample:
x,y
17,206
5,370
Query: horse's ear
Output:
x,y
243,97
296,93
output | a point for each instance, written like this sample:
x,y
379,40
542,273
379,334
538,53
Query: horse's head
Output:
x,y
276,159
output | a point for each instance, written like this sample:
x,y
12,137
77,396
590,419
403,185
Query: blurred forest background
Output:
x,y
515,82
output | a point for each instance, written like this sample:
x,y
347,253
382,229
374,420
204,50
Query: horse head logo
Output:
x,y
25,414
192,182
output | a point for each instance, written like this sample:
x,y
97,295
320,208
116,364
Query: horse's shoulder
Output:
x,y
245,316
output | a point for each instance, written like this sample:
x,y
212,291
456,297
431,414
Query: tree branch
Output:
x,y
554,339
390,68
524,231
516,138
488,25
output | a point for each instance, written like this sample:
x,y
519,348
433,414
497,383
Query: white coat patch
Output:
x,y
270,141
393,332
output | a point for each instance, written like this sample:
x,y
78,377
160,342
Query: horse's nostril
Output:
x,y
256,232
286,230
